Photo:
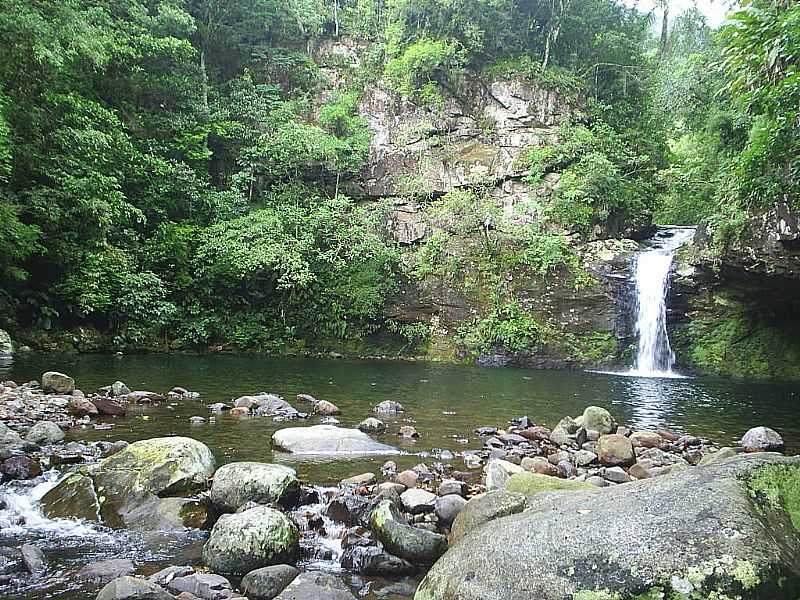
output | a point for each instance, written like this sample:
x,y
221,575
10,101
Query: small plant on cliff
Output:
x,y
508,326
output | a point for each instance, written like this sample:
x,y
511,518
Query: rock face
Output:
x,y
258,537
418,546
721,530
57,383
328,439
236,484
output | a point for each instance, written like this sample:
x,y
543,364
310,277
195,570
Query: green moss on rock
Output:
x,y
531,484
780,486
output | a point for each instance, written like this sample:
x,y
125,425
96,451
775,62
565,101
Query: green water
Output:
x,y
444,402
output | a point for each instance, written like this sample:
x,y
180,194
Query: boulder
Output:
x,y
389,407
315,585
372,425
452,486
530,484
614,450
167,574
10,441
108,407
718,531
417,501
448,507
417,546
498,471
598,419
44,432
118,388
539,464
236,484
306,398
484,508
167,514
80,406
104,571
267,582
33,558
20,467
131,588
408,478
373,561
359,480
328,439
559,436
57,383
254,538
326,409
646,439
161,466
74,497
762,439
206,586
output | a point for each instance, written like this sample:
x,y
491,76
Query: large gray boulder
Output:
x,y
131,588
328,439
484,508
258,537
718,531
314,585
236,484
417,546
57,383
161,466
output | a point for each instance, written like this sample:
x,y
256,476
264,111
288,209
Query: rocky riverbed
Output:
x,y
263,533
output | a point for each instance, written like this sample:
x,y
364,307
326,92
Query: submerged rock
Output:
x,y
372,425
717,531
258,537
33,558
418,546
267,582
327,439
236,484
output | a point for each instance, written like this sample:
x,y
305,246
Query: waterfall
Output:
x,y
654,356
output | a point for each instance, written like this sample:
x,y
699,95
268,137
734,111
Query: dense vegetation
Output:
x,y
168,168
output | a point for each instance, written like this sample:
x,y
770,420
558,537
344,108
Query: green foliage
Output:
x,y
603,178
416,70
507,326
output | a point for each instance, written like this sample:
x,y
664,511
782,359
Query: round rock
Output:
x,y
236,484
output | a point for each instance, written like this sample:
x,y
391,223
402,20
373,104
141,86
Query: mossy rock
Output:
x,y
236,484
417,546
484,508
258,537
73,497
530,484
724,531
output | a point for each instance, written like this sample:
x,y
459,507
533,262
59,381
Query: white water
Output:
x,y
654,356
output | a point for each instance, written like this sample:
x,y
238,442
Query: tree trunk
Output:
x,y
664,31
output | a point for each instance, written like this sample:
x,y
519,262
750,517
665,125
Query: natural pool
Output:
x,y
445,403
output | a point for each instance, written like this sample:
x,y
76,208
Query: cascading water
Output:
x,y
654,356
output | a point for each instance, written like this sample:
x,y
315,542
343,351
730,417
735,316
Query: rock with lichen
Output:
x,y
730,529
